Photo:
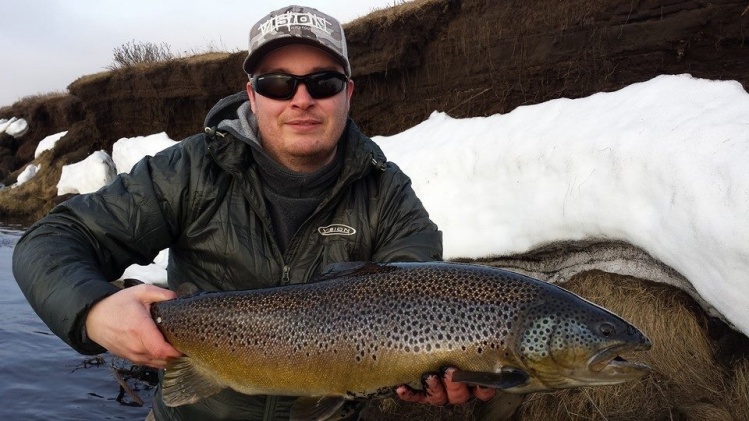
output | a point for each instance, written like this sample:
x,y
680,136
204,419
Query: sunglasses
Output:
x,y
283,85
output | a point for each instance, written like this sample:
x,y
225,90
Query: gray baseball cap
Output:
x,y
297,25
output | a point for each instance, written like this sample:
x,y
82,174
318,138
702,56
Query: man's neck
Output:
x,y
305,164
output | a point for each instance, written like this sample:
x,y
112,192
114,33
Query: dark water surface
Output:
x,y
41,378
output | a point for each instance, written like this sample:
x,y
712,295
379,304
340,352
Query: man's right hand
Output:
x,y
122,324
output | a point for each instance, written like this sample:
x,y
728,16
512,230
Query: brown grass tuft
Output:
x,y
686,381
207,57
739,394
389,14
31,101
393,409
33,199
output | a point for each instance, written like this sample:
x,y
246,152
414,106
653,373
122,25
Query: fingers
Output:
x,y
457,392
484,393
433,392
155,349
442,390
122,324
152,294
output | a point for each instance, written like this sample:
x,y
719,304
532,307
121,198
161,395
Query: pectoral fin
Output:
x,y
501,407
316,408
183,384
505,379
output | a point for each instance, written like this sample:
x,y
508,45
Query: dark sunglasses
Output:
x,y
283,85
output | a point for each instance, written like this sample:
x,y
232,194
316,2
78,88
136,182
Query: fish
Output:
x,y
362,329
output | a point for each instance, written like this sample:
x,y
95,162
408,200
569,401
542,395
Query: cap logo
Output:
x,y
296,19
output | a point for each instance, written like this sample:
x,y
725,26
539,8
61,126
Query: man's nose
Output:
x,y
301,97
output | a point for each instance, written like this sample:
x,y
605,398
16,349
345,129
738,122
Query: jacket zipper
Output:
x,y
271,401
285,275
296,240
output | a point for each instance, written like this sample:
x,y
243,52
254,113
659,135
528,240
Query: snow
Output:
x,y
48,143
657,164
15,127
154,273
87,176
128,151
27,173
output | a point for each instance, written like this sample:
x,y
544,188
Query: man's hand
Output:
x,y
122,324
442,390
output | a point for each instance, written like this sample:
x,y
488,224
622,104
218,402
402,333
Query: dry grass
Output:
x,y
92,78
136,53
31,101
206,57
738,399
199,58
391,409
389,14
33,199
686,382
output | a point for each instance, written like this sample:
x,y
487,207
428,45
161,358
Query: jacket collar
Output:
x,y
235,135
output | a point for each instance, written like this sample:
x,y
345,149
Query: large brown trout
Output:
x,y
360,331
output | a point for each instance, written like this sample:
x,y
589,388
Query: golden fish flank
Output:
x,y
365,328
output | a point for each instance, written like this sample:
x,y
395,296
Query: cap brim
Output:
x,y
253,59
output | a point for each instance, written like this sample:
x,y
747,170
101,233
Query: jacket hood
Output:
x,y
225,109
225,115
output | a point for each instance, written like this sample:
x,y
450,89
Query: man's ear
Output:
x,y
251,95
350,89
349,92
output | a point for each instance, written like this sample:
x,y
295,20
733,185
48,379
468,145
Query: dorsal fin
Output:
x,y
343,269
501,407
131,282
187,289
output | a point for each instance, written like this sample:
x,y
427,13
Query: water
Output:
x,y
41,378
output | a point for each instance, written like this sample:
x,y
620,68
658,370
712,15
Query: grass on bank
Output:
x,y
30,201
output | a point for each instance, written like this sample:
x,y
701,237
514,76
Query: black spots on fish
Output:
x,y
366,317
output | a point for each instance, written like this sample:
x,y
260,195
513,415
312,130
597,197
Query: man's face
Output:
x,y
300,133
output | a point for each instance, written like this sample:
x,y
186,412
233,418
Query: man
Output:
x,y
245,205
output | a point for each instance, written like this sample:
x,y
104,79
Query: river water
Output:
x,y
41,378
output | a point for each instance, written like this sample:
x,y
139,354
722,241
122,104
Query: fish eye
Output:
x,y
607,330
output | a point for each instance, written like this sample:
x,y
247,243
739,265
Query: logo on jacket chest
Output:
x,y
336,229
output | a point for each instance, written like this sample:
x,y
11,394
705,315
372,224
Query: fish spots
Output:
x,y
370,319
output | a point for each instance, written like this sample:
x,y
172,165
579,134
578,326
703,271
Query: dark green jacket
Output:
x,y
203,200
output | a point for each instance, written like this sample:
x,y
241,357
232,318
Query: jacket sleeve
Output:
x,y
64,262
405,232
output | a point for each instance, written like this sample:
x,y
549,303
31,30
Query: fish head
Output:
x,y
571,342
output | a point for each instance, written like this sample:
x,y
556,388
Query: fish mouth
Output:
x,y
609,363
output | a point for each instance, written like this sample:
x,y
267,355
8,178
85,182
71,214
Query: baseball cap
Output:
x,y
297,25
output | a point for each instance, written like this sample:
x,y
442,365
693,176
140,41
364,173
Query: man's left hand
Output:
x,y
442,390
